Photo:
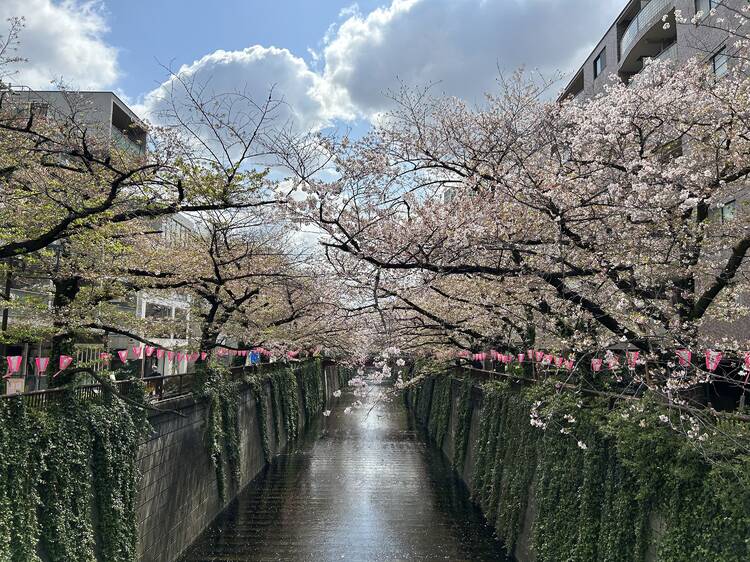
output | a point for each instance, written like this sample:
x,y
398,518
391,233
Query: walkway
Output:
x,y
367,489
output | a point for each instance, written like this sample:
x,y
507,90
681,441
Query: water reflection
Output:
x,y
358,487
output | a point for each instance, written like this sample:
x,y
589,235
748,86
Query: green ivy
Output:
x,y
440,413
601,480
313,390
20,479
116,437
258,388
345,374
222,431
68,479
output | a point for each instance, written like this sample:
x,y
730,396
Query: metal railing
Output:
x,y
167,387
668,53
643,20
584,387
50,396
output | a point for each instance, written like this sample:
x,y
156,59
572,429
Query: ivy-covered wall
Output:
x,y
99,480
195,464
597,483
68,479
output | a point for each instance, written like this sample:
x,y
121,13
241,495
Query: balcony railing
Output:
x,y
668,53
642,21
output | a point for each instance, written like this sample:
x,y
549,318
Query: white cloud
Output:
x,y
62,40
308,101
457,44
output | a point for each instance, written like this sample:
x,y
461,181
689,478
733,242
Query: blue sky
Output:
x,y
182,31
333,61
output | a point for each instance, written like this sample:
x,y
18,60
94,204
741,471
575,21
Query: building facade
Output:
x,y
115,126
648,29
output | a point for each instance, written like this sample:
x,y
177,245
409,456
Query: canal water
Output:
x,y
362,486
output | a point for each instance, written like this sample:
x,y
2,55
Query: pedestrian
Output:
x,y
156,385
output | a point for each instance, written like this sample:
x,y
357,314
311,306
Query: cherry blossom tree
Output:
x,y
575,226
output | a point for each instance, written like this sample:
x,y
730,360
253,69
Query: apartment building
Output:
x,y
113,124
647,29
104,115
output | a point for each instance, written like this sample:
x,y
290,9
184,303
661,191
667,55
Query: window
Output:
x,y
728,211
723,213
155,311
600,63
705,6
720,62
39,109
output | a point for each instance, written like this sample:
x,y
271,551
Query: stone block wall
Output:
x,y
178,495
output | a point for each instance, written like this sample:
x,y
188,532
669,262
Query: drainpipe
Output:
x,y
6,295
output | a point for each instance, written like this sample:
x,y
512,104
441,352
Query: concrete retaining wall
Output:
x,y
177,496
522,551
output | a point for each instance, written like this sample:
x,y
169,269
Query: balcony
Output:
x,y
127,142
669,53
651,12
646,38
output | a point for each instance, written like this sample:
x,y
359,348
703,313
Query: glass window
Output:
x,y
600,63
728,211
704,6
720,62
157,311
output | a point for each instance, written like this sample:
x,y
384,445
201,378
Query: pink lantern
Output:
x,y
203,355
14,364
41,364
105,357
713,358
684,356
170,355
596,365
150,350
65,361
137,350
159,353
559,362
123,355
521,357
539,355
530,354
569,364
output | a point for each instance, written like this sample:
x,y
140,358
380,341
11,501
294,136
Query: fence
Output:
x,y
484,376
161,388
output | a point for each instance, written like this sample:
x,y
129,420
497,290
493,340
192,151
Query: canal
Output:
x,y
363,486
